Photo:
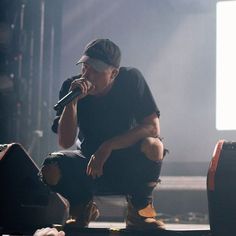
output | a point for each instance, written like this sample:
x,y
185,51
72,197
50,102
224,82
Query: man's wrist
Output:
x,y
108,144
72,105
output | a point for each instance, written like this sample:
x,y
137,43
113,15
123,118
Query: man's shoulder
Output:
x,y
129,70
131,75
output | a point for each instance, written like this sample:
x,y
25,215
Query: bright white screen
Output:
x,y
226,66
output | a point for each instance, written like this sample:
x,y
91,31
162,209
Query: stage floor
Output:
x,y
118,228
179,227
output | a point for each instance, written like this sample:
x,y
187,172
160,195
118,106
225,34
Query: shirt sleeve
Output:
x,y
144,103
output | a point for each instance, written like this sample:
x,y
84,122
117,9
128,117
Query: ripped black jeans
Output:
x,y
126,172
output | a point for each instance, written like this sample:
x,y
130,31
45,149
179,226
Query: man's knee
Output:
x,y
153,148
51,173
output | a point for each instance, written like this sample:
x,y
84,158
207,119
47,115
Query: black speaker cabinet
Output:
x,y
221,189
25,202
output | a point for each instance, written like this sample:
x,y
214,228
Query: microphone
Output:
x,y
68,98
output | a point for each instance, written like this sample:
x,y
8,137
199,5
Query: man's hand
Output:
x,y
97,160
84,85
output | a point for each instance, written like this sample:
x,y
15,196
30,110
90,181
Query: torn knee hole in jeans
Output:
x,y
50,173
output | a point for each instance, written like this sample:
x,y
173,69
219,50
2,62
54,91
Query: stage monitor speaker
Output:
x,y
221,189
25,202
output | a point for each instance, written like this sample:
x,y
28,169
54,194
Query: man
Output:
x,y
121,150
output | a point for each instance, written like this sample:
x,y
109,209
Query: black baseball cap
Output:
x,y
101,54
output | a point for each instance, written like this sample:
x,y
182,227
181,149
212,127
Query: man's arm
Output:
x,y
149,127
67,125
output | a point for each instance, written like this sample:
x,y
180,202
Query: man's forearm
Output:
x,y
132,136
67,128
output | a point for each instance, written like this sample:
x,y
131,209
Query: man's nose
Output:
x,y
85,74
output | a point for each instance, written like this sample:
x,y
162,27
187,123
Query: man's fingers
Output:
x,y
83,84
100,173
88,171
93,168
96,173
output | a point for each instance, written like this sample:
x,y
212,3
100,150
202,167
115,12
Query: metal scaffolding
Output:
x,y
30,60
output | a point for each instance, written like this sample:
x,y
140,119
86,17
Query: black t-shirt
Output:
x,y
100,118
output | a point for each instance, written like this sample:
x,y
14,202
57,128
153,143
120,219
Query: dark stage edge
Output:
x,y
118,229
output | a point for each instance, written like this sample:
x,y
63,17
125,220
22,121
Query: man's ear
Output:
x,y
115,72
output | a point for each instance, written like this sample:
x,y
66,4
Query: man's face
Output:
x,y
101,80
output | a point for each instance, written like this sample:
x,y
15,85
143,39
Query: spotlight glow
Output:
x,y
226,66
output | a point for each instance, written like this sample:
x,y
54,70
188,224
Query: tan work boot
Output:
x,y
143,219
83,214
